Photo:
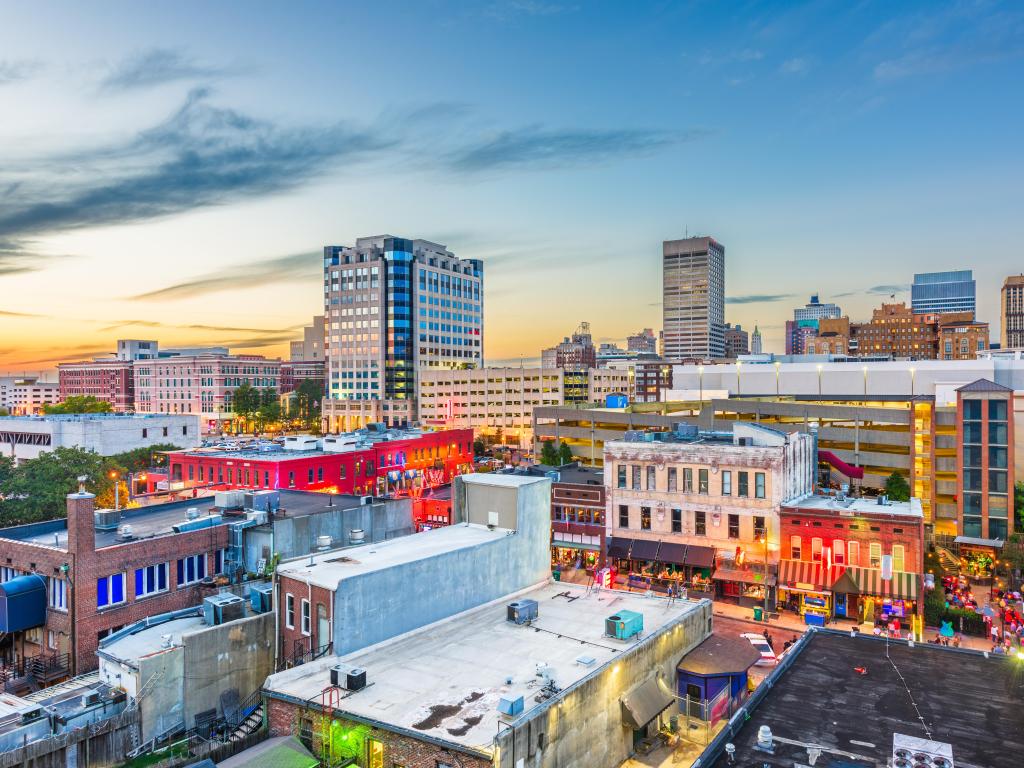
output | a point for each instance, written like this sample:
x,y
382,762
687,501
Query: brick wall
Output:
x,y
292,640
400,751
890,531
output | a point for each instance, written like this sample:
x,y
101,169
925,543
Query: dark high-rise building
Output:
x,y
693,298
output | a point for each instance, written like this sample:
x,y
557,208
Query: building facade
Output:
x,y
756,343
112,381
1011,312
680,504
961,339
693,298
27,395
294,372
985,450
576,352
737,341
394,307
642,342
203,385
311,346
941,292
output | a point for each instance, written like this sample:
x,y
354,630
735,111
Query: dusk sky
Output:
x,y
172,171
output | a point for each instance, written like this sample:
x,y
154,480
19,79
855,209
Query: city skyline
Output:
x,y
179,182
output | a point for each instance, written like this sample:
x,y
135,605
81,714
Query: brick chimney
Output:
x,y
81,522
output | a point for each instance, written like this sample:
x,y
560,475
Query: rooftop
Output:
x,y
130,648
964,699
327,569
98,417
859,506
720,654
445,680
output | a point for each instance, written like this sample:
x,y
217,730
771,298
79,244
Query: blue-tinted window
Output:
x,y
972,410
997,410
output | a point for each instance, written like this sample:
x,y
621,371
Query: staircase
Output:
x,y
252,723
950,562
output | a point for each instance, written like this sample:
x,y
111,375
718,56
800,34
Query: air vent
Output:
x,y
522,611
349,678
106,519
125,533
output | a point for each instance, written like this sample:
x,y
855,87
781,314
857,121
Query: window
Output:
x,y
677,521
687,480
623,516
853,553
291,479
636,478
52,641
838,552
645,518
816,550
57,593
309,475
759,485
191,569
289,611
220,561
305,617
898,558
795,544
743,483
150,580
726,483
374,753
652,479
734,526
672,480
621,473
700,523
759,527
110,590
996,410
875,554
702,481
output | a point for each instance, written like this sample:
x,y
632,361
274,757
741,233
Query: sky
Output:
x,y
172,171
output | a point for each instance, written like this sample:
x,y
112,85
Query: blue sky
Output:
x,y
170,171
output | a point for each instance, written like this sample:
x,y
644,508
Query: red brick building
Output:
x,y
577,517
109,380
294,372
391,463
835,552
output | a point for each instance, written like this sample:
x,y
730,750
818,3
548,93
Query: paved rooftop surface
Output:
x,y
975,704
859,506
445,680
148,641
329,568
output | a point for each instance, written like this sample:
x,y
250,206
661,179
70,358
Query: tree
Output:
x,y
80,404
141,459
896,487
308,397
479,449
564,454
548,454
37,489
1018,505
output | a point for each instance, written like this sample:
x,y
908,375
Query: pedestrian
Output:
x,y
771,643
995,634
956,640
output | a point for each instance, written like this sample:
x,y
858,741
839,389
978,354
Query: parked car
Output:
x,y
768,657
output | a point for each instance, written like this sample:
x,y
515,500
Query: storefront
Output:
x,y
862,594
658,565
568,550
745,586
805,588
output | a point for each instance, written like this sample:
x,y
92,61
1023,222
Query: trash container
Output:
x,y
758,613
556,575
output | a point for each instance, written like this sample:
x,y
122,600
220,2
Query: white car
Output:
x,y
768,657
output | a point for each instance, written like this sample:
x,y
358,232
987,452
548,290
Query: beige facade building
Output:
x,y
311,346
500,401
693,298
1011,312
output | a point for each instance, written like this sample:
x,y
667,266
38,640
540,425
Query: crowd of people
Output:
x,y
958,592
1006,629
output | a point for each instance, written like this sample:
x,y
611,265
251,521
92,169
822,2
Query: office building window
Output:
x,y
700,523
57,593
838,552
645,518
898,558
110,590
853,553
672,478
623,516
734,526
875,554
726,482
191,569
677,521
150,580
621,475
759,485
652,479
743,487
636,477
220,561
702,481
816,550
687,480
759,527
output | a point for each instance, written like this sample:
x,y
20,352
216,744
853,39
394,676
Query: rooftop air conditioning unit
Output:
x,y
192,513
222,608
106,519
90,697
261,597
263,501
522,611
624,625
914,752
229,499
510,707
349,678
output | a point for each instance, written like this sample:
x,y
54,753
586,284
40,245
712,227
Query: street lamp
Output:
x,y
777,366
700,379
865,369
115,476
913,372
820,366
739,389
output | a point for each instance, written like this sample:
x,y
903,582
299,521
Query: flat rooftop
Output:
x,y
158,519
445,680
858,506
146,642
327,569
96,417
975,704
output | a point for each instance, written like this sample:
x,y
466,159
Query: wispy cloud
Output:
x,y
200,156
157,66
117,325
13,71
299,267
877,290
795,66
505,10
758,298
536,147
9,313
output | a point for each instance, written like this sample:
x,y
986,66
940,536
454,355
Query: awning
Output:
x,y
902,585
673,553
971,541
619,547
643,702
576,545
743,576
644,550
700,557
806,574
22,603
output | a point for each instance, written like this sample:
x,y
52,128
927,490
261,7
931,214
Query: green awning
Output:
x,y
868,581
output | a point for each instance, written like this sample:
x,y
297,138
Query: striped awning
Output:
x,y
869,581
804,574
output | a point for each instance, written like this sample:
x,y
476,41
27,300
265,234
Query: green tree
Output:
x,y
479,449
549,454
79,404
141,459
6,469
1018,505
308,397
37,489
897,488
564,454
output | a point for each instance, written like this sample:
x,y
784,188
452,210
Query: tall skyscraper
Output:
x,y
693,298
1011,312
393,306
940,292
756,346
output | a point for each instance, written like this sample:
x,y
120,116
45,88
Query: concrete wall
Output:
x,y
583,728
159,691
105,434
376,606
239,655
